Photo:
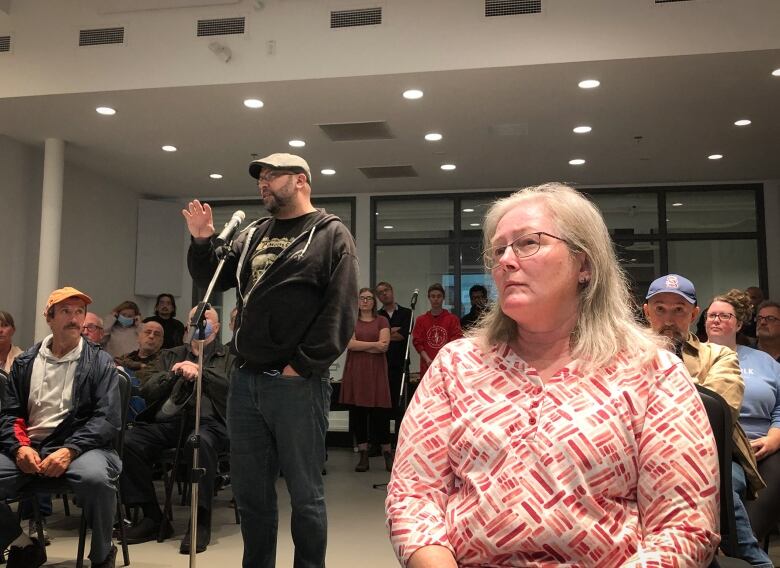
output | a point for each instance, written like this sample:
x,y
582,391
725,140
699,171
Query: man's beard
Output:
x,y
677,339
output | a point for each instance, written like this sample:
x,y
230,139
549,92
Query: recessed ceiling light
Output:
x,y
474,224
169,148
388,227
328,172
253,103
589,84
678,204
776,72
468,210
582,129
576,162
742,122
106,111
714,156
413,94
297,143
448,167
215,176
433,137
632,260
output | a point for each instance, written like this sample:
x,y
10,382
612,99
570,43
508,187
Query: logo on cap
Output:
x,y
672,282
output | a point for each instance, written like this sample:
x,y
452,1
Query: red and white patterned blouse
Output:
x,y
610,468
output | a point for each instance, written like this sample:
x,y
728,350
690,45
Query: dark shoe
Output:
x,y
204,538
388,461
30,556
109,562
363,463
148,530
374,451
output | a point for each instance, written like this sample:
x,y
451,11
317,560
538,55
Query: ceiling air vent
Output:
x,y
357,131
386,172
101,36
221,26
5,44
352,18
512,7
668,1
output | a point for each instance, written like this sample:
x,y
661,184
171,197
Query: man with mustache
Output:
x,y
671,308
59,419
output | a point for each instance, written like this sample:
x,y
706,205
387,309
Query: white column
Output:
x,y
51,224
772,224
363,237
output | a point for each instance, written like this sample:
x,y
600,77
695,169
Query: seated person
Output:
x,y
93,328
560,433
165,315
61,415
141,362
760,412
167,421
670,309
120,335
8,351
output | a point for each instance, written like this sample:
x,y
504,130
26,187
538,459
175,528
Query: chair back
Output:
x,y
719,414
125,386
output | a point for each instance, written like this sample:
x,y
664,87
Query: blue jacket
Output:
x,y
92,423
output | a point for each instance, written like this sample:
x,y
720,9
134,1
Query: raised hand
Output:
x,y
200,220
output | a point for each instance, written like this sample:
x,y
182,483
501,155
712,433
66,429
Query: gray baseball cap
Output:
x,y
280,161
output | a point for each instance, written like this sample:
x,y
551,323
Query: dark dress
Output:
x,y
364,382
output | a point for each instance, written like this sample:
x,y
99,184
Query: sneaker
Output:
x,y
148,530
32,532
109,562
30,556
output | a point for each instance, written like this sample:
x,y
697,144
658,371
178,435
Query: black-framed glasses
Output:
x,y
365,298
720,317
523,247
91,327
767,319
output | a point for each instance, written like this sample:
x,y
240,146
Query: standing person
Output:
x,y
759,414
165,315
478,295
435,328
8,351
364,383
560,433
296,279
768,328
400,319
60,417
121,333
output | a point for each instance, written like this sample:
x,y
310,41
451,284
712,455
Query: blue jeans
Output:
x,y
92,476
279,422
747,545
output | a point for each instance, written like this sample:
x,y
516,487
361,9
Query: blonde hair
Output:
x,y
738,300
605,324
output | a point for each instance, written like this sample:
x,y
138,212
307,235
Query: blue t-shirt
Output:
x,y
761,402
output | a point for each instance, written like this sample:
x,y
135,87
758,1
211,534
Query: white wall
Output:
x,y
772,214
162,49
20,204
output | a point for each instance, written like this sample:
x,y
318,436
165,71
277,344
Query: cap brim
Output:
x,y
256,167
682,294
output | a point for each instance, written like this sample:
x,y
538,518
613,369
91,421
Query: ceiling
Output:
x,y
654,121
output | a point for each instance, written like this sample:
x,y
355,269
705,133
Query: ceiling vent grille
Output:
x,y
5,44
353,18
101,36
512,7
357,131
668,1
387,172
221,26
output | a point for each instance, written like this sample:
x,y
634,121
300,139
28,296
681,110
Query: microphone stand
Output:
x,y
403,393
198,323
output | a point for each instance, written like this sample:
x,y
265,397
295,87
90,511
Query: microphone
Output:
x,y
231,227
414,297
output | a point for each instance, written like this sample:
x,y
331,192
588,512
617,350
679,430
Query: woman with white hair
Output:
x,y
560,432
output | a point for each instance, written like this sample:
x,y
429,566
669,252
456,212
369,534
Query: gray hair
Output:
x,y
606,325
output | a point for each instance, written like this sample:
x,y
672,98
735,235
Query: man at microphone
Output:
x,y
296,278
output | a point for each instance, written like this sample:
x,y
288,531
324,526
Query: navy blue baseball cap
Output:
x,y
673,284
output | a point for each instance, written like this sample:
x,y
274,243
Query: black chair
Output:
x,y
719,414
60,485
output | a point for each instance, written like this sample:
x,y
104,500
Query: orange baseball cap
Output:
x,y
63,294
